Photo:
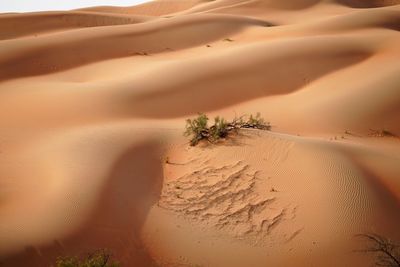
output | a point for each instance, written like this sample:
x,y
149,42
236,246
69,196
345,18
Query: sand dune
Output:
x,y
236,198
54,53
154,8
367,4
92,110
226,82
32,24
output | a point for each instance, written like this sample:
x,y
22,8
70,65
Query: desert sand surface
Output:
x,y
93,104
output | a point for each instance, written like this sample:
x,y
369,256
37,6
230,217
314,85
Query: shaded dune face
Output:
x,y
302,4
131,187
246,78
368,3
293,5
92,109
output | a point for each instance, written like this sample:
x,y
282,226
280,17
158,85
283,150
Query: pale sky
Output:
x,y
42,5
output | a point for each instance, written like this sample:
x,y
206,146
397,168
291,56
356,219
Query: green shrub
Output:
x,y
256,122
99,258
198,128
381,133
219,129
67,262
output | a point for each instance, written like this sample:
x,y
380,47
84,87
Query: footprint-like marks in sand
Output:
x,y
229,198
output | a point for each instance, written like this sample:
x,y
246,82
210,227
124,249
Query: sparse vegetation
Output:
x,y
219,129
198,128
142,53
100,258
387,253
381,133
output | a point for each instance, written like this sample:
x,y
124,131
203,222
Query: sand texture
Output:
x,y
93,105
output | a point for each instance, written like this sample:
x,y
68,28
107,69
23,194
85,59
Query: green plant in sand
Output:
x,y
198,128
99,258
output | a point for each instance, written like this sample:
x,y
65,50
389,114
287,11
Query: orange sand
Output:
x,y
93,101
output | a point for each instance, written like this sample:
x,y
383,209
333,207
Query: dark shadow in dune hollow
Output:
x,y
132,187
367,3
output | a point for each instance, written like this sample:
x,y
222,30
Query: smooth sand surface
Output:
x,y
93,105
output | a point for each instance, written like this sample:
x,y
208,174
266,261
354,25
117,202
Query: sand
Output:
x,y
93,105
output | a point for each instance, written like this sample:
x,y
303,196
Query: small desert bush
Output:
x,y
198,128
219,129
386,252
381,133
99,258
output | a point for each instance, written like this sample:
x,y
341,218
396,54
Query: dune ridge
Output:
x,y
27,57
32,24
154,8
